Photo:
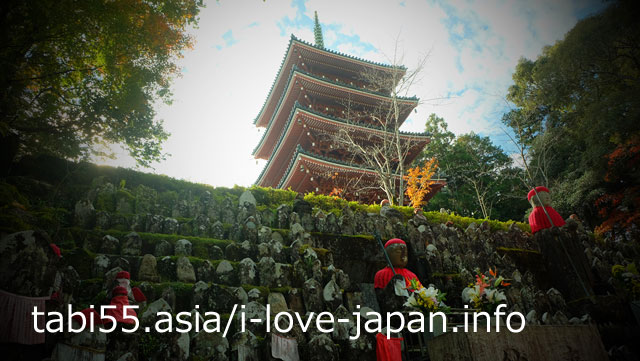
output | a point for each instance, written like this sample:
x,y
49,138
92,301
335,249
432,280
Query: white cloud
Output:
x,y
226,82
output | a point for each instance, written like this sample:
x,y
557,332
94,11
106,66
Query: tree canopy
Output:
x,y
576,117
481,179
420,182
78,74
576,103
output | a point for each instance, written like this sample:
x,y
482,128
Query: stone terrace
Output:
x,y
219,251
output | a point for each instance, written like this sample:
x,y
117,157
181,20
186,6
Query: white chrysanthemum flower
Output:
x,y
500,296
430,293
468,294
411,301
490,294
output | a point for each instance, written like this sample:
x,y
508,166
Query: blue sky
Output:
x,y
472,48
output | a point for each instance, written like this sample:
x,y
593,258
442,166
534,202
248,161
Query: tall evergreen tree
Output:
x,y
317,31
576,104
481,179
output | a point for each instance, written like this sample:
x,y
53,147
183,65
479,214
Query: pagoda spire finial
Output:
x,y
317,31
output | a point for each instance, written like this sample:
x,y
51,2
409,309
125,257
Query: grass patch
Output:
x,y
464,222
93,238
517,250
445,275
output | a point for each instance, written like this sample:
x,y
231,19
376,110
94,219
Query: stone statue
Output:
x,y
391,290
397,251
538,218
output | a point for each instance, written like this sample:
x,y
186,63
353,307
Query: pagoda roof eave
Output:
x,y
298,106
335,162
295,70
293,40
338,121
362,126
369,92
350,57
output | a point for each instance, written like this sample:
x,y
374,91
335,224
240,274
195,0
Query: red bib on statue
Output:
x,y
386,274
538,219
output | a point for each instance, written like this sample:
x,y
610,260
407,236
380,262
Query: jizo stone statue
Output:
x,y
543,214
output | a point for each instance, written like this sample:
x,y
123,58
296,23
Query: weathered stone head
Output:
x,y
397,251
543,215
30,264
543,198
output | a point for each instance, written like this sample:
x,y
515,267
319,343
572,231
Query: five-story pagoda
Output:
x,y
317,95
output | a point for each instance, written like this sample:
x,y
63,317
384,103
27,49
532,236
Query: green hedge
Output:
x,y
337,205
464,222
79,237
272,198
73,180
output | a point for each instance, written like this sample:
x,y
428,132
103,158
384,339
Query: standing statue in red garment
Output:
x,y
391,296
538,218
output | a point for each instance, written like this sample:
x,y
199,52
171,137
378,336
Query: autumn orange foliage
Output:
x,y
419,182
336,192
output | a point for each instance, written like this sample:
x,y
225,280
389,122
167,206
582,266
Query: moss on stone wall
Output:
x,y
463,222
105,202
92,239
159,194
517,250
51,218
200,245
13,220
80,258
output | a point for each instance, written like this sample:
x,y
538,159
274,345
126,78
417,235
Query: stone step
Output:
x,y
91,265
265,272
94,241
180,295
211,296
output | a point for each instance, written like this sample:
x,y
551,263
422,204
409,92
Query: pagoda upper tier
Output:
x,y
331,97
330,65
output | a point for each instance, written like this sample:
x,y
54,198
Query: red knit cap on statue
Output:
x,y
55,249
394,241
138,295
123,274
119,290
538,190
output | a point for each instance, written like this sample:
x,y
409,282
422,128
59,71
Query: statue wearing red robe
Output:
x,y
119,300
538,218
397,250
